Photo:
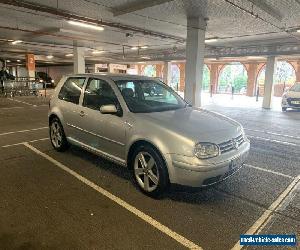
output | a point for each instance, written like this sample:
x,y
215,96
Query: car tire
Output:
x,y
57,135
283,109
153,179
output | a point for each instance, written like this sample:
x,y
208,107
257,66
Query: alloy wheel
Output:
x,y
146,171
56,134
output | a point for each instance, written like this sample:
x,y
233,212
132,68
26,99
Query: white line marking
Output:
x,y
267,215
23,131
164,229
277,141
285,202
11,108
273,133
22,143
27,103
270,171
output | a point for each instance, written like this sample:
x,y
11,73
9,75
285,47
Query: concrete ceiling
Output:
x,y
243,28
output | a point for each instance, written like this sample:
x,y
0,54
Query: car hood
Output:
x,y
194,123
293,94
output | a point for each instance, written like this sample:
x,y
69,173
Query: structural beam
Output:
x,y
137,5
195,49
267,8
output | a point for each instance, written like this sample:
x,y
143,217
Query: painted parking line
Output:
x,y
22,143
269,171
265,218
273,133
276,141
164,229
27,103
12,108
23,131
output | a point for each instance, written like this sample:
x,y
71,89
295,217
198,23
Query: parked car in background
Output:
x,y
44,78
291,98
160,138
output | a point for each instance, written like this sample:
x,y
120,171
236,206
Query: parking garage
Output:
x,y
239,59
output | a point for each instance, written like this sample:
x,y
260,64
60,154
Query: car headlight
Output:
x,y
204,150
244,134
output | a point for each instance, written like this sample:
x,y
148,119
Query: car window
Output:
x,y
98,93
71,89
142,96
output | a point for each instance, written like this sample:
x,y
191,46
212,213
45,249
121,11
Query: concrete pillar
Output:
x,y
30,65
167,73
195,46
79,62
298,71
182,77
269,80
214,75
252,71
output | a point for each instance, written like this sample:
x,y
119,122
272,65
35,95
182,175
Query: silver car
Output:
x,y
291,98
158,136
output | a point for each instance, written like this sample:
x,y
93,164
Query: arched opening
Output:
x,y
149,70
175,77
206,79
233,76
285,77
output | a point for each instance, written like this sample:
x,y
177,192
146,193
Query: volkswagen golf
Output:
x,y
160,138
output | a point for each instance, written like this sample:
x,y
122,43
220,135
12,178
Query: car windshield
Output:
x,y
144,96
295,88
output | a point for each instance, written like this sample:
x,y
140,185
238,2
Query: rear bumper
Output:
x,y
188,173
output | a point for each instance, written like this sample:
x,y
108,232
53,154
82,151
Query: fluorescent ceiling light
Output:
x,y
9,40
141,62
95,52
146,57
49,57
144,47
18,60
69,55
298,30
86,25
211,40
8,61
16,42
134,48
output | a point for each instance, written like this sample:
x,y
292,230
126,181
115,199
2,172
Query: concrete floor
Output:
x,y
43,206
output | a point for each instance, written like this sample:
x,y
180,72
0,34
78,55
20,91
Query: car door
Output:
x,y
69,98
104,132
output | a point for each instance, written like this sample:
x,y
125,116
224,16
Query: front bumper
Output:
x,y
293,103
190,171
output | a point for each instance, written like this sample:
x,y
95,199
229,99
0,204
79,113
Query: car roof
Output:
x,y
114,77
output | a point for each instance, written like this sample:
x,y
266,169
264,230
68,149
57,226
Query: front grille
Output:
x,y
291,100
231,144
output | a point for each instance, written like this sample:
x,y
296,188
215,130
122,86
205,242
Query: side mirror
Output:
x,y
108,109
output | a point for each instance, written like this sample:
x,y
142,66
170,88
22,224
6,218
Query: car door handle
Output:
x,y
82,113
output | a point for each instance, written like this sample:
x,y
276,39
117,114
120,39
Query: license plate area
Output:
x,y
234,165
295,102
